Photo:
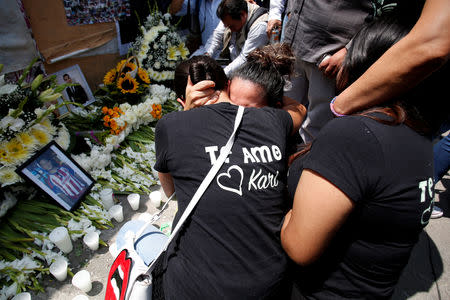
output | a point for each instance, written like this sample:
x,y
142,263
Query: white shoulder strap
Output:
x,y
204,185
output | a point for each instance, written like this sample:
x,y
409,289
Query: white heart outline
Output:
x,y
235,167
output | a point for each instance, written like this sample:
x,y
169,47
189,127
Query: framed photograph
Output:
x,y
80,93
57,175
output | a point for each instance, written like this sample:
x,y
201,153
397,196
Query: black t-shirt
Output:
x,y
230,246
387,172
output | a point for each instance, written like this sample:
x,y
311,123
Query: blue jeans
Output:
x,y
441,151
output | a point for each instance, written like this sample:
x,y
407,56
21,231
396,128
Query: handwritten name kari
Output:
x,y
233,179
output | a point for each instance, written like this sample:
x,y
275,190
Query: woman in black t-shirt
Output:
x,y
364,191
229,246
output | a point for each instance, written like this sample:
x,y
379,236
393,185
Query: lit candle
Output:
x,y
155,198
91,240
59,269
133,199
106,195
82,280
116,212
80,297
22,296
60,237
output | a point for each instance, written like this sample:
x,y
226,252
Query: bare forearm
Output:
x,y
404,65
166,183
296,110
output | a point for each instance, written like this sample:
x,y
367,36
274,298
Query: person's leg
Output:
x,y
321,90
441,152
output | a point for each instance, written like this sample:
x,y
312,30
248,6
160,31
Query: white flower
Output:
x,y
8,291
13,123
8,176
63,138
9,201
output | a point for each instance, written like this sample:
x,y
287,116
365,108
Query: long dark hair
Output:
x,y
268,67
199,68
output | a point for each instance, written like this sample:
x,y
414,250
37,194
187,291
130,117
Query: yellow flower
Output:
x,y
127,84
40,135
110,77
184,52
16,151
143,75
8,176
48,125
120,64
4,155
172,53
27,139
128,67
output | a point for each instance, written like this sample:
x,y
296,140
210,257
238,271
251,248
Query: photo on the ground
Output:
x,y
57,175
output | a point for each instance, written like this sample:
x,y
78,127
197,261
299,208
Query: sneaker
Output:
x,y
436,213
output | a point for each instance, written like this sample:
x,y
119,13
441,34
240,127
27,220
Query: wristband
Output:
x,y
332,109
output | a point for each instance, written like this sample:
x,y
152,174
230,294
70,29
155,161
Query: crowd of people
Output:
x,y
337,215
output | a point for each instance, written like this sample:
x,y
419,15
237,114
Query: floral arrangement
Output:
x,y
160,48
27,124
127,82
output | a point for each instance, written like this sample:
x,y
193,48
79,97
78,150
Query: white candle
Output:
x,y
60,237
22,296
116,212
155,198
106,195
82,280
113,250
59,269
80,297
91,240
133,199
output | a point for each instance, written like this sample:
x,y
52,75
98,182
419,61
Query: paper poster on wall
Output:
x,y
81,12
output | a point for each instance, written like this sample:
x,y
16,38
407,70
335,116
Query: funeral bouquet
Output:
x,y
160,47
126,83
27,124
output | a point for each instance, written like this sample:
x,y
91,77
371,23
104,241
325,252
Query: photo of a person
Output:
x,y
62,179
75,93
56,174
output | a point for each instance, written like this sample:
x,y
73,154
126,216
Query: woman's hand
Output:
x,y
331,65
199,94
296,110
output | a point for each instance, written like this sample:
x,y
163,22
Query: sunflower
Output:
x,y
40,135
127,84
8,176
16,151
110,77
27,139
143,75
120,65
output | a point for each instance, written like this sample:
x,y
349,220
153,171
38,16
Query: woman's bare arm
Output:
x,y
421,52
319,210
